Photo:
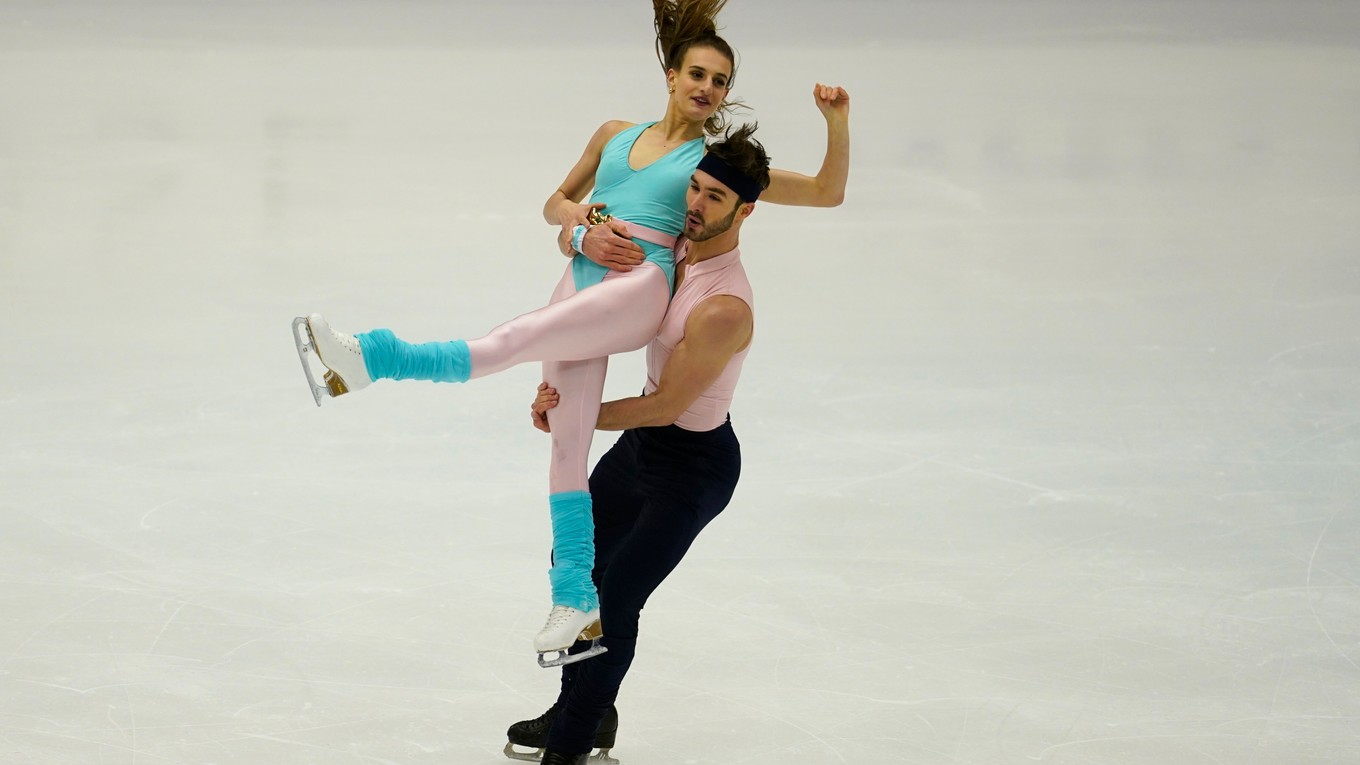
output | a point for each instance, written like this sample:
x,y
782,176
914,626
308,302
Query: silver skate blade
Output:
x,y
602,758
599,758
563,657
512,753
306,344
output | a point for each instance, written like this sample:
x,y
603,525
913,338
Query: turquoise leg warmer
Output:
x,y
388,356
573,551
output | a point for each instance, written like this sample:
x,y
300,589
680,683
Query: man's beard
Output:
x,y
710,231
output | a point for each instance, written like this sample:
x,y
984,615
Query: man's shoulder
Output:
x,y
719,315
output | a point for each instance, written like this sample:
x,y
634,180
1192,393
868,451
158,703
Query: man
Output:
x,y
676,464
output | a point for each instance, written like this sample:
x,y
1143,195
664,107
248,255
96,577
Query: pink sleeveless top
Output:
x,y
722,275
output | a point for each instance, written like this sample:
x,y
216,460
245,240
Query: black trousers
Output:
x,y
652,494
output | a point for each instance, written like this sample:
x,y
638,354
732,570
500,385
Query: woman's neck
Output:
x,y
675,130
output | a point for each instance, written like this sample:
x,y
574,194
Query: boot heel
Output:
x,y
608,732
335,384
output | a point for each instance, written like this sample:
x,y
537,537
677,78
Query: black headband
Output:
x,y
740,183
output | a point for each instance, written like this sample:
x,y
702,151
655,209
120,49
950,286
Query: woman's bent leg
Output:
x,y
579,384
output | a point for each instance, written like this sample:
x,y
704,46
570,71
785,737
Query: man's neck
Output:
x,y
712,248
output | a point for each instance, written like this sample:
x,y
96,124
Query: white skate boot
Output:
x,y
337,352
565,626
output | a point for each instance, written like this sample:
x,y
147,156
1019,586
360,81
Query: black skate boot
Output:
x,y
534,734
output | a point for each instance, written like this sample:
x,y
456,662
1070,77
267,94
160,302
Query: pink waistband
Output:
x,y
648,234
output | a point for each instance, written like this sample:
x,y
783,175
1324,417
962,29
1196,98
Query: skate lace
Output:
x,y
559,616
348,342
545,720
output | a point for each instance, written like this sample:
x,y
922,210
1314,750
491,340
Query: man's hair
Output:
x,y
744,153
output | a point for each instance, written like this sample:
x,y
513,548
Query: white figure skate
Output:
x,y
339,354
565,626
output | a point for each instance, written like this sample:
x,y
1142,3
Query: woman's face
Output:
x,y
701,83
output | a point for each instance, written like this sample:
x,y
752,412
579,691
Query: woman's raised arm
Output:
x,y
827,188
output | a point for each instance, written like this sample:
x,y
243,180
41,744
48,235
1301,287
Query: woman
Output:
x,y
639,174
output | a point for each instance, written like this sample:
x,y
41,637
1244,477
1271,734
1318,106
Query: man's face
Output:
x,y
711,207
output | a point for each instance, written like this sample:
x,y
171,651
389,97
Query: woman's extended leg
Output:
x,y
620,314
617,315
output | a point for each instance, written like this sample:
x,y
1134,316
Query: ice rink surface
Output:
x,y
1051,431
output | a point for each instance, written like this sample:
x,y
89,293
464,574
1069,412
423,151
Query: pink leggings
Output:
x,y
574,336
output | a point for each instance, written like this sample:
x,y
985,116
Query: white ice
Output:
x,y
1052,430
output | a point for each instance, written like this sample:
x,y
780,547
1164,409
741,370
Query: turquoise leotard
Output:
x,y
653,197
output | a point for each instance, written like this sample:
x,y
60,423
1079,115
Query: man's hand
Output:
x,y
547,399
569,216
608,245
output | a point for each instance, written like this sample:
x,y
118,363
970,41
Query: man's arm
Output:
x,y
717,329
